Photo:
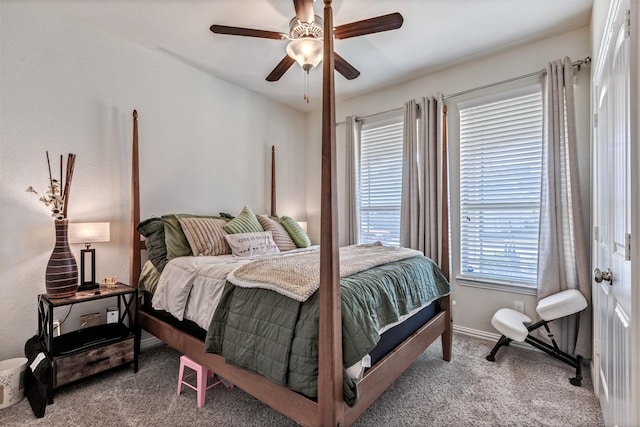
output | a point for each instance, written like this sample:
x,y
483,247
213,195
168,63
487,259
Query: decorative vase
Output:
x,y
61,278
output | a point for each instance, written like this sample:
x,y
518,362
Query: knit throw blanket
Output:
x,y
298,276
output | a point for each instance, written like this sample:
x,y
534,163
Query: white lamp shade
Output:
x,y
307,51
89,232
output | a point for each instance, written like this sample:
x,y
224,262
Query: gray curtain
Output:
x,y
420,213
352,160
410,218
562,259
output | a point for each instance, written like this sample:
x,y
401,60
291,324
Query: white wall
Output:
x,y
65,87
474,307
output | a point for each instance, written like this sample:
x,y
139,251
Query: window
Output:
x,y
500,181
381,181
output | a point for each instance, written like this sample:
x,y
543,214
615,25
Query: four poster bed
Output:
x,y
328,406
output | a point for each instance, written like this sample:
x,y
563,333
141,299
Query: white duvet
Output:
x,y
191,287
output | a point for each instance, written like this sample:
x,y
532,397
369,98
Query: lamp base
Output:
x,y
88,286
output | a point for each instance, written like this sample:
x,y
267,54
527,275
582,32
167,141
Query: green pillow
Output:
x,y
176,241
149,278
298,235
245,222
153,231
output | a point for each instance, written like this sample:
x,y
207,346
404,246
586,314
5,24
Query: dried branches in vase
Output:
x,y
61,276
57,195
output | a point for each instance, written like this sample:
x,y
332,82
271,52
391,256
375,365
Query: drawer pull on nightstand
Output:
x,y
93,362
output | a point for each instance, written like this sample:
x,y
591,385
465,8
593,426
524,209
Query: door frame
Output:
x,y
635,202
634,195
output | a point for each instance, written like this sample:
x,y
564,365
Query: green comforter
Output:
x,y
277,337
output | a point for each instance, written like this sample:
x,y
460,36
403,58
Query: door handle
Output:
x,y
599,276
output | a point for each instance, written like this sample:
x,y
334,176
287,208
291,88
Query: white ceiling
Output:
x,y
435,34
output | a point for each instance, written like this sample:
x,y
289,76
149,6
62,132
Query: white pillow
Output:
x,y
250,244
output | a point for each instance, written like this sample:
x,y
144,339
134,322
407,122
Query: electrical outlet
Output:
x,y
518,306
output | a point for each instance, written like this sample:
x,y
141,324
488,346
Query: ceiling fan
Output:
x,y
306,34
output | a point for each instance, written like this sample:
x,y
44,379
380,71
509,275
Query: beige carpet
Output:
x,y
522,388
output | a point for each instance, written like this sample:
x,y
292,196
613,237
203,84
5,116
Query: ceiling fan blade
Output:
x,y
249,32
304,10
368,26
280,69
344,68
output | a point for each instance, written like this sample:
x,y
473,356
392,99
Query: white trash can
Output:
x,y
12,373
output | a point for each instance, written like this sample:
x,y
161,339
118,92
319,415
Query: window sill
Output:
x,y
496,286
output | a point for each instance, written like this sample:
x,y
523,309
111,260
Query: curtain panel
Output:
x,y
352,181
562,259
421,224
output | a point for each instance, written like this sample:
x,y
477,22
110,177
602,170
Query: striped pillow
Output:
x,y
278,233
175,240
245,222
298,235
205,236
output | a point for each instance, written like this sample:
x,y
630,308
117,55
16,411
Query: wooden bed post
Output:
x,y
330,382
447,335
444,265
135,245
273,181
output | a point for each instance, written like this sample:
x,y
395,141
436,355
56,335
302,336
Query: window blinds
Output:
x,y
381,183
500,180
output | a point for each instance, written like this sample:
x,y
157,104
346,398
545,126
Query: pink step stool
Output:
x,y
202,374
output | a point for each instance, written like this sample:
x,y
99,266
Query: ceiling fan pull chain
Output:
x,y
306,86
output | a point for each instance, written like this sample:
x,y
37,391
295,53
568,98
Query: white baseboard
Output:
x,y
489,336
476,333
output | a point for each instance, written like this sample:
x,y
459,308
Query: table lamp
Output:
x,y
88,233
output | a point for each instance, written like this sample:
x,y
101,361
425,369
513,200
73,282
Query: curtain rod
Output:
x,y
380,114
376,115
579,63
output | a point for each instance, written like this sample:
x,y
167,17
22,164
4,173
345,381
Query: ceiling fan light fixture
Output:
x,y
298,29
307,52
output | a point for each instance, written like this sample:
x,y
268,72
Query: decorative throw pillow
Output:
x,y
245,222
250,244
298,235
279,234
205,236
176,242
149,278
153,231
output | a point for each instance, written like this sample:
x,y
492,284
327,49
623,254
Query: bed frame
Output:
x,y
329,409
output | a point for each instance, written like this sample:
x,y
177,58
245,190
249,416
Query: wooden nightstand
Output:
x,y
79,354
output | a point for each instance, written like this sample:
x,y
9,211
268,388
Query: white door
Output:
x,y
612,200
